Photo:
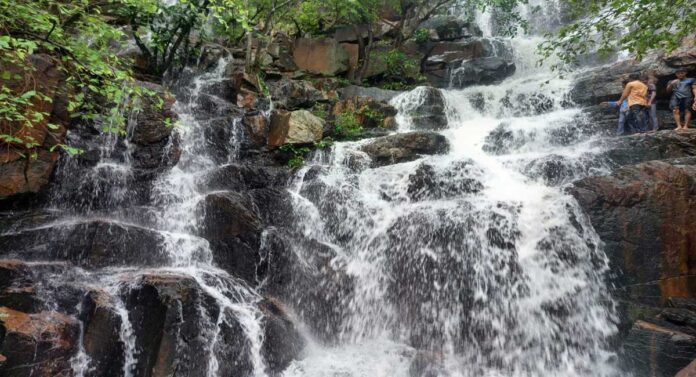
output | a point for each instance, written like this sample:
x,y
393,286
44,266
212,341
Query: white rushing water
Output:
x,y
176,217
472,263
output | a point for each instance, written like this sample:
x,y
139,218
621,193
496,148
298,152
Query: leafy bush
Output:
x,y
347,126
79,40
299,152
421,36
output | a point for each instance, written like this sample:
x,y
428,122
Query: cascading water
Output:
x,y
474,263
223,306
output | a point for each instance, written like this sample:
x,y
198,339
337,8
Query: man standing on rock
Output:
x,y
623,110
636,92
682,102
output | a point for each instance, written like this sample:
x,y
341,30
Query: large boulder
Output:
x,y
482,71
175,325
233,229
297,127
320,56
294,94
101,335
282,342
394,149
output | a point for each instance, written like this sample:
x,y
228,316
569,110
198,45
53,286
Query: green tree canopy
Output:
x,y
635,26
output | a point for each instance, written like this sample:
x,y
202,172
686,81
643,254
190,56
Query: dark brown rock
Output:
x,y
38,344
170,315
21,175
644,215
294,94
17,289
657,350
282,342
405,147
101,339
91,244
482,71
234,231
430,113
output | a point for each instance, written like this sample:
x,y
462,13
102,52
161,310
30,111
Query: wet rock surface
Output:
x,y
405,147
430,113
483,71
642,214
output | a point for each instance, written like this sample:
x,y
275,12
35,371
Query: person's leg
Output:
x,y
687,119
621,130
653,117
640,119
674,105
632,120
684,111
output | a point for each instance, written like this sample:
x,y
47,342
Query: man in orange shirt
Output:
x,y
636,92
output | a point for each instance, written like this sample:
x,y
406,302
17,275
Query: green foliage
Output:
x,y
650,24
172,26
320,111
421,36
371,114
347,125
318,16
299,152
77,38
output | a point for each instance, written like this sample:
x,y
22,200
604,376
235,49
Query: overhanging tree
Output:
x,y
635,26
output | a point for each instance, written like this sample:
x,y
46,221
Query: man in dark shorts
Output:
x,y
636,93
683,93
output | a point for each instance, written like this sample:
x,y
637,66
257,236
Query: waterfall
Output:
x,y
473,263
181,259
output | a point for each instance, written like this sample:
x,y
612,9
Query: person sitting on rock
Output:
x,y
682,102
636,92
623,109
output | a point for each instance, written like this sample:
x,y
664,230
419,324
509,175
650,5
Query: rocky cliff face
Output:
x,y
642,212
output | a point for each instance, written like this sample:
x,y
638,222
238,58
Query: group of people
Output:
x,y
638,109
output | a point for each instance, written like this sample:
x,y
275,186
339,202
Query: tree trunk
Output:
x,y
366,55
